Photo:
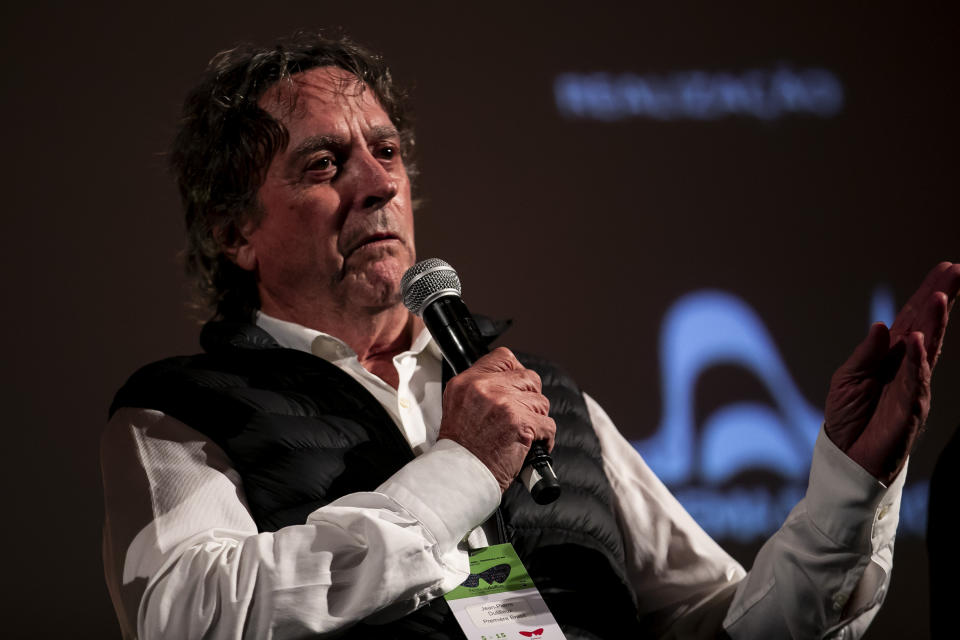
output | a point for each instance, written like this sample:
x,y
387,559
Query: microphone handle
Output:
x,y
452,326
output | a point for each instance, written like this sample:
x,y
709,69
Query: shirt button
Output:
x,y
884,510
838,602
404,403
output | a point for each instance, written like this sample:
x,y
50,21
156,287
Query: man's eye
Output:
x,y
389,153
325,163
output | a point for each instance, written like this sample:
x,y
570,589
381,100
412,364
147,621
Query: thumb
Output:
x,y
870,353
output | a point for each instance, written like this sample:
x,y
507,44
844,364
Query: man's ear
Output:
x,y
238,249
243,255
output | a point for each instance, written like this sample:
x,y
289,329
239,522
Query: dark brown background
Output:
x,y
582,232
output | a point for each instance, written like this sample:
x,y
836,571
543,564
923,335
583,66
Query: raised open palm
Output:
x,y
880,397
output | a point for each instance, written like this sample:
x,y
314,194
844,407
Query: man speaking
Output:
x,y
317,470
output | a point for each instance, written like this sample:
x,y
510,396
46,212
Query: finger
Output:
x,y
944,277
912,382
932,323
950,284
500,359
524,386
535,402
924,374
870,353
915,357
546,430
526,380
885,444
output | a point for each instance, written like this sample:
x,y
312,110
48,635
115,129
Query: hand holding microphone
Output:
x,y
494,406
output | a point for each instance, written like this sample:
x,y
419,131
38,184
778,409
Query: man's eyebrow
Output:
x,y
378,134
323,142
313,144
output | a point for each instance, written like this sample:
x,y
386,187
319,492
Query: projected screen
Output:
x,y
740,467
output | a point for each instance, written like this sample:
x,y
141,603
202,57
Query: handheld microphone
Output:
x,y
431,290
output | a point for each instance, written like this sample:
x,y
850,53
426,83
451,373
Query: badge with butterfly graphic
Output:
x,y
498,600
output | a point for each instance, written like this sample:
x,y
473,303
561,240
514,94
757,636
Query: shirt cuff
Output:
x,y
447,489
846,503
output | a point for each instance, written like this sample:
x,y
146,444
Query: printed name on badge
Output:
x,y
498,600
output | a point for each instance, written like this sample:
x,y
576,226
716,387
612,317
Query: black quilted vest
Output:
x,y
302,433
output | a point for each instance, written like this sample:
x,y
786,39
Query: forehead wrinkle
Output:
x,y
334,86
286,98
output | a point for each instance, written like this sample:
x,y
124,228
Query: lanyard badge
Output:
x,y
498,600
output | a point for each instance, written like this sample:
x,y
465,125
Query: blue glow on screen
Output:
x,y
882,307
700,95
709,328
704,329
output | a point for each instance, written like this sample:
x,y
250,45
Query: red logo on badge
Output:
x,y
530,634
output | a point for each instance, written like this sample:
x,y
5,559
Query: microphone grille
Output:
x,y
426,281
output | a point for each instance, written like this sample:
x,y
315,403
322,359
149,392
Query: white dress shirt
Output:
x,y
183,557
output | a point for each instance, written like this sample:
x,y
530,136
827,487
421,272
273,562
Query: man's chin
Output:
x,y
376,283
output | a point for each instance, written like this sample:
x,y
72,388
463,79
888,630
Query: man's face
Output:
x,y
337,229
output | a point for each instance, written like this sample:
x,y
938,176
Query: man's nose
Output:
x,y
375,185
